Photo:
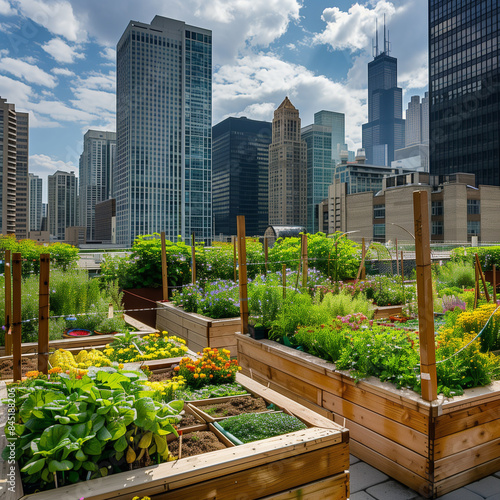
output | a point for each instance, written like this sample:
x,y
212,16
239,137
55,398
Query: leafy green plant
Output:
x,y
454,274
210,391
112,325
265,299
250,427
487,256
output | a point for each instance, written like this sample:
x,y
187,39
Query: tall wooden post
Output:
x,y
363,259
304,259
476,286
403,277
16,315
193,260
397,262
164,268
234,243
495,283
43,314
283,279
242,272
8,304
266,254
481,275
424,292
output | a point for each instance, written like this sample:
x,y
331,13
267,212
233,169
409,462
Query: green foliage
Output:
x,y
455,274
112,325
73,428
250,427
389,291
210,391
344,303
265,297
487,256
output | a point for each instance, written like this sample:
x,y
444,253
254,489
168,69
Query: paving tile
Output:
x,y
461,494
485,487
361,495
363,476
392,490
496,496
353,460
497,474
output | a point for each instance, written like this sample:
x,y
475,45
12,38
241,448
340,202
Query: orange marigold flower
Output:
x,y
33,373
177,368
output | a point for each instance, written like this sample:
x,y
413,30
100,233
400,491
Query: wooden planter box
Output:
x,y
198,331
433,447
312,463
383,312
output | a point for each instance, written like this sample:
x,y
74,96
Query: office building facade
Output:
x,y
336,122
35,202
417,121
287,169
63,203
385,130
464,88
22,179
240,170
164,113
95,179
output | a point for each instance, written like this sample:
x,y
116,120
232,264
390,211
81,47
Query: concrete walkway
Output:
x,y
368,483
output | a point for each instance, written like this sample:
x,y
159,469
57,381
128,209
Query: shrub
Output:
x,y
454,274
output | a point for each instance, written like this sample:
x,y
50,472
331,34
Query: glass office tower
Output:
x,y
162,180
464,88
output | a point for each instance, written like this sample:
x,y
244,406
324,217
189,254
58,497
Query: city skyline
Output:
x,y
61,68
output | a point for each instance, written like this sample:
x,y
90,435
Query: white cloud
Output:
x,y
28,72
108,53
6,8
62,72
99,81
61,51
58,110
41,164
15,91
57,16
38,121
94,101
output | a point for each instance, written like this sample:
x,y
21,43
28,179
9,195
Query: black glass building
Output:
x,y
464,88
385,130
240,153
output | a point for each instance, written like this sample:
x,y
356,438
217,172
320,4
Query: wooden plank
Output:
x,y
331,488
43,314
394,431
400,455
452,423
392,469
8,303
223,330
466,439
467,477
16,315
194,470
467,459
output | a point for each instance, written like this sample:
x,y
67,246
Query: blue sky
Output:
x,y
57,60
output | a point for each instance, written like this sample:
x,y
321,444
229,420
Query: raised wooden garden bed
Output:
x,y
433,448
383,312
198,331
312,463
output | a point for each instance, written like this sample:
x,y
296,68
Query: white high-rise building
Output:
x,y
35,202
162,179
95,179
63,203
417,121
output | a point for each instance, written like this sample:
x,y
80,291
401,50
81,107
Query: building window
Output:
x,y
473,207
437,227
437,208
379,212
473,227
379,231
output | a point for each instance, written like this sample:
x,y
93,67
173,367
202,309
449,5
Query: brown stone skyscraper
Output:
x,y
287,169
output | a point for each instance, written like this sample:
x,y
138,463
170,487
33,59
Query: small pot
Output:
x,y
72,333
258,332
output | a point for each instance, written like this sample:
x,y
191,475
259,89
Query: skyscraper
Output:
x,y
464,88
96,164
385,130
164,131
320,165
240,163
336,122
287,169
35,202
8,151
417,121
22,197
63,188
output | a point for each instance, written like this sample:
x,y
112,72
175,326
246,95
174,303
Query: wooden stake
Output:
x,y
424,292
476,286
111,311
283,279
242,273
403,278
164,268
266,253
16,315
397,262
193,260
8,304
304,259
495,283
234,243
43,314
363,259
481,275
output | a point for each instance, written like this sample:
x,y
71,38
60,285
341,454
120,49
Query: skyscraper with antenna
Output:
x,y
385,130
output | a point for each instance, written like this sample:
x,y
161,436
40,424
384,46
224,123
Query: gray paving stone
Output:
x,y
497,474
485,487
353,460
392,490
461,494
496,496
361,495
363,476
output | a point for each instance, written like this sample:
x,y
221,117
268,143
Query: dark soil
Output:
x,y
27,365
235,406
188,420
196,443
165,374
